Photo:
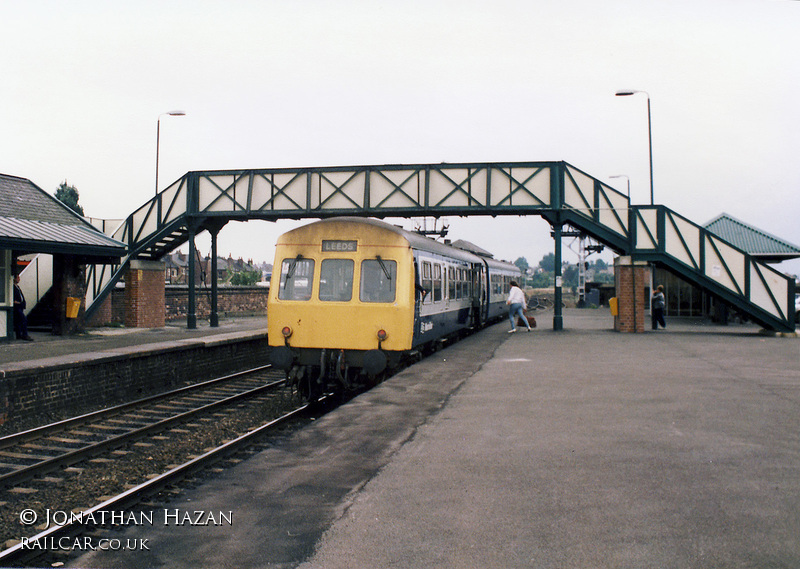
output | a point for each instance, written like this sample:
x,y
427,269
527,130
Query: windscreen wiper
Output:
x,y
383,266
293,267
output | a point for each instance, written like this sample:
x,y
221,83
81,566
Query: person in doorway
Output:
x,y
657,308
20,320
516,301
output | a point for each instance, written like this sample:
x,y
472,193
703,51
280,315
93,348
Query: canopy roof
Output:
x,y
33,221
756,242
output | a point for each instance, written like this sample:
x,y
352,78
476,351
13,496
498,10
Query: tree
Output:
x,y
68,195
541,280
570,275
522,265
548,263
244,278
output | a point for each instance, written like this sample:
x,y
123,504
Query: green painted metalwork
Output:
x,y
557,191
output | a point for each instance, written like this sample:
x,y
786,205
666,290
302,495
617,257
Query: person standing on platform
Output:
x,y
657,308
516,301
20,320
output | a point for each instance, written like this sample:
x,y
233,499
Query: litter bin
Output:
x,y
73,307
612,303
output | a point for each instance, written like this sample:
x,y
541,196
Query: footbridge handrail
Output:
x,y
558,191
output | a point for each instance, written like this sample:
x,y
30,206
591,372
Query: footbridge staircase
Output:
x,y
557,191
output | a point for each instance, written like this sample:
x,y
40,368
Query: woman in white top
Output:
x,y
516,301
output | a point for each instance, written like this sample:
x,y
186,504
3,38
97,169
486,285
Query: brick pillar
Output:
x,y
631,280
69,281
144,295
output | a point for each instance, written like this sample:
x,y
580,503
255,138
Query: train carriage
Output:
x,y
350,297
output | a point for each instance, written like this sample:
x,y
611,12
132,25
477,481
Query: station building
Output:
x,y
49,246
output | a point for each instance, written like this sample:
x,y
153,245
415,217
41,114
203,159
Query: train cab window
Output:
x,y
297,278
378,280
336,280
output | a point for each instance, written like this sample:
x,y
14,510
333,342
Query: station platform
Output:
x,y
47,345
570,449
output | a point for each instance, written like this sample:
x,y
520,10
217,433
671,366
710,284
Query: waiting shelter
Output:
x,y
49,246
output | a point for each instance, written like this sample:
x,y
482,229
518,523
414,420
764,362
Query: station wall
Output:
x,y
70,386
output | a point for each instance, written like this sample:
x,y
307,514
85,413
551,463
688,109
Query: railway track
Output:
x,y
36,452
112,459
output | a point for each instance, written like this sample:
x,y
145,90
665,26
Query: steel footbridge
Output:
x,y
557,191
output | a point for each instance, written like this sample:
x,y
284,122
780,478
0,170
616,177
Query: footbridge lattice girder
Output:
x,y
558,191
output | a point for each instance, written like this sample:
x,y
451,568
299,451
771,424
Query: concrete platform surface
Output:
x,y
46,345
584,448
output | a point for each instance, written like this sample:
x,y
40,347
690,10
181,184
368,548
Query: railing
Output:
x,y
700,256
556,190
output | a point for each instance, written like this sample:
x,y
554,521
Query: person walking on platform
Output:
x,y
20,320
657,308
516,301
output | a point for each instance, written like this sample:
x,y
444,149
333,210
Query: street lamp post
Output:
x,y
625,93
158,136
629,184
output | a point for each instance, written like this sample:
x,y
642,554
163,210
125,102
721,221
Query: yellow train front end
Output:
x,y
341,302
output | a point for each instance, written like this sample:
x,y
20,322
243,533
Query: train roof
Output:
x,y
420,242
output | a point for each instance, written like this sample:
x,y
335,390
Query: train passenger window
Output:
x,y
336,280
378,280
437,283
427,282
452,289
297,278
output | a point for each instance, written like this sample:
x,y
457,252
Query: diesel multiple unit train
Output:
x,y
350,297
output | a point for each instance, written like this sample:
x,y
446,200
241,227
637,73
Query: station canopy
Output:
x,y
757,242
33,221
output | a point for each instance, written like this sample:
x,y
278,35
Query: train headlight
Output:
x,y
382,335
287,332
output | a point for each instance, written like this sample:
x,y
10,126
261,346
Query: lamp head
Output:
x,y
626,92
177,113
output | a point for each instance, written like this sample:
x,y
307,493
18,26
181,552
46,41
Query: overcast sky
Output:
x,y
323,83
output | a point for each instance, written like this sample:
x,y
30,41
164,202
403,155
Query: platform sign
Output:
x,y
337,246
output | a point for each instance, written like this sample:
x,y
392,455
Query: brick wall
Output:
x,y
109,379
144,295
631,280
231,300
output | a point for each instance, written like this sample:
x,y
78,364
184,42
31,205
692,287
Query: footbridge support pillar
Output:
x,y
631,279
558,318
144,294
